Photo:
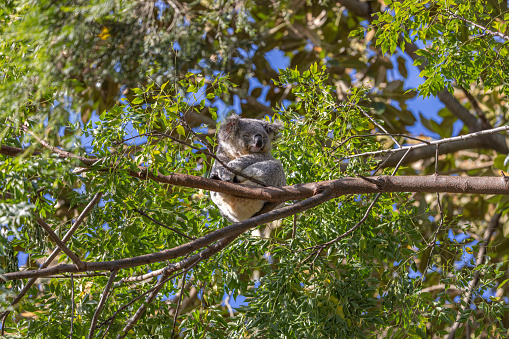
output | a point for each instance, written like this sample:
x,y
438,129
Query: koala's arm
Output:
x,y
269,171
218,171
247,160
240,164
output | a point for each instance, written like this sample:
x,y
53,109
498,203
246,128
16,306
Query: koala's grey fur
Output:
x,y
245,145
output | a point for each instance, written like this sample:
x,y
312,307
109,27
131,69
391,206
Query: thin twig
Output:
x,y
486,30
380,165
401,160
178,305
102,301
190,130
379,135
163,225
60,243
434,142
72,306
379,126
321,247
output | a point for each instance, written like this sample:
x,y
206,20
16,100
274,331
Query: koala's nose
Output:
x,y
258,140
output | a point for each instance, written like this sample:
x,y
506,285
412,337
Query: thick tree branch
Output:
x,y
429,184
429,151
481,258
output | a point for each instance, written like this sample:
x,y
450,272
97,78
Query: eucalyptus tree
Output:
x,y
109,110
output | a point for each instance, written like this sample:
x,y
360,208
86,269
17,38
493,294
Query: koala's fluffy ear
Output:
x,y
230,126
274,127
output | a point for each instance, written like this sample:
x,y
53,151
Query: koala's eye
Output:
x,y
246,136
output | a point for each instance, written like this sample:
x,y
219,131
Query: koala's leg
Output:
x,y
236,209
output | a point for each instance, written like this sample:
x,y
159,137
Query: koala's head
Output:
x,y
238,136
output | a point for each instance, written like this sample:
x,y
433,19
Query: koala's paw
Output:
x,y
226,176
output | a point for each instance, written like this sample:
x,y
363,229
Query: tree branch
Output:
x,y
161,224
484,29
227,232
148,300
484,133
60,243
56,251
102,301
429,184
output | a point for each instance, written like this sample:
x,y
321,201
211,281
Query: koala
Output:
x,y
244,145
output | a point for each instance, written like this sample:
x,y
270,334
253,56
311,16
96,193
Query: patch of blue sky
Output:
x,y
269,257
277,59
253,84
414,274
458,237
467,259
428,107
22,258
236,104
237,301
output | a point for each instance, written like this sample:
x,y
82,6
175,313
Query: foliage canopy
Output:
x,y
104,103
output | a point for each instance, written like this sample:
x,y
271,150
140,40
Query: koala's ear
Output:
x,y
231,124
274,127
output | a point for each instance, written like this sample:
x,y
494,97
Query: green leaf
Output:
x,y
181,130
137,101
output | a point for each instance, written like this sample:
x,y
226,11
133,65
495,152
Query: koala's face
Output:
x,y
239,136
